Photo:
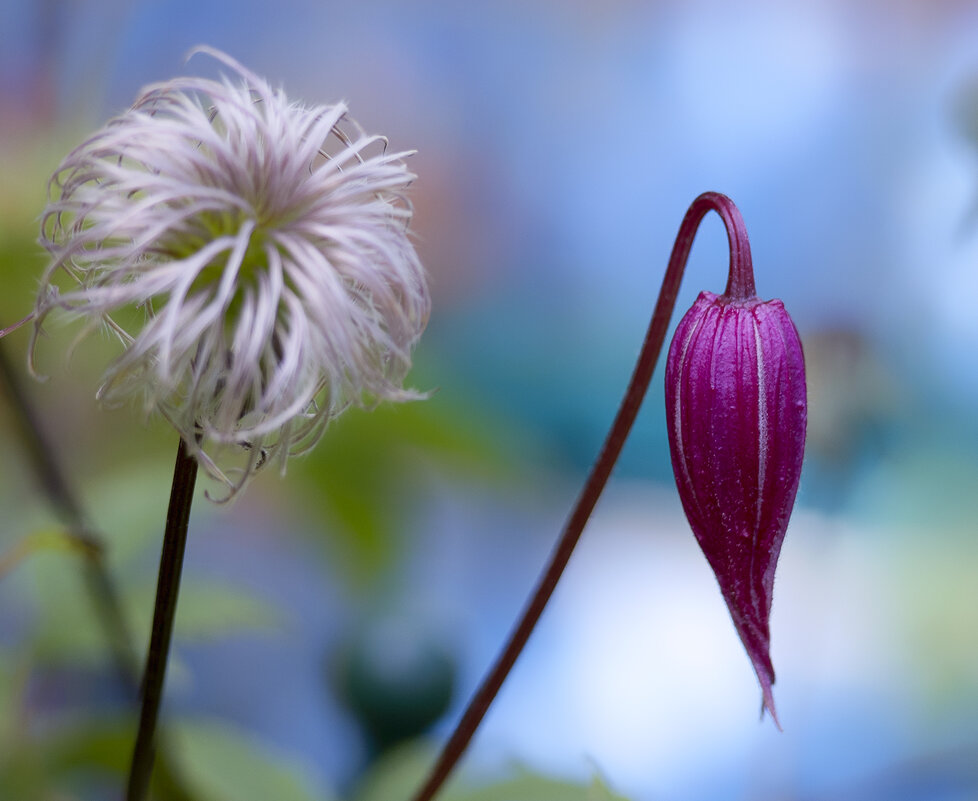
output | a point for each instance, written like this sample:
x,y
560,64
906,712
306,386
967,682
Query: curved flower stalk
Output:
x,y
736,410
266,244
780,445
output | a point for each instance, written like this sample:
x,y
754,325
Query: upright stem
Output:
x,y
627,412
167,589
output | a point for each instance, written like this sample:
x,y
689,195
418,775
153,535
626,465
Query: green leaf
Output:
x,y
599,791
400,772
46,539
13,678
365,475
130,507
527,785
220,763
66,628
95,744
208,609
37,766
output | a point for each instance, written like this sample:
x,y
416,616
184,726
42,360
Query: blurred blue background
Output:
x,y
558,146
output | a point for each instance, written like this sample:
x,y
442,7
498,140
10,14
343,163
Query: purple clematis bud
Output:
x,y
736,410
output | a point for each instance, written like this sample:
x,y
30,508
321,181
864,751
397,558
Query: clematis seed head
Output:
x,y
736,410
264,245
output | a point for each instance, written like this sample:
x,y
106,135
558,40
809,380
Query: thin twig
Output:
x,y
627,412
11,328
104,593
55,485
167,591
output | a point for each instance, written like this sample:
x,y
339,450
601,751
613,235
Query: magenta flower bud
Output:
x,y
736,411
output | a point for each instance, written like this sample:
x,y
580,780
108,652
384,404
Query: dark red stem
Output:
x,y
741,281
167,591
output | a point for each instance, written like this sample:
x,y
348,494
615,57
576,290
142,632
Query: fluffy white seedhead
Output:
x,y
266,244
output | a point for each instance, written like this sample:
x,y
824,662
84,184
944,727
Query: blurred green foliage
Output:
x,y
220,763
66,723
406,767
372,469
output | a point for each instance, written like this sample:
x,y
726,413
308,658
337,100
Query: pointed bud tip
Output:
x,y
767,705
736,408
767,695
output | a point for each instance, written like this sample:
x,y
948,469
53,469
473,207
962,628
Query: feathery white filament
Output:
x,y
268,248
